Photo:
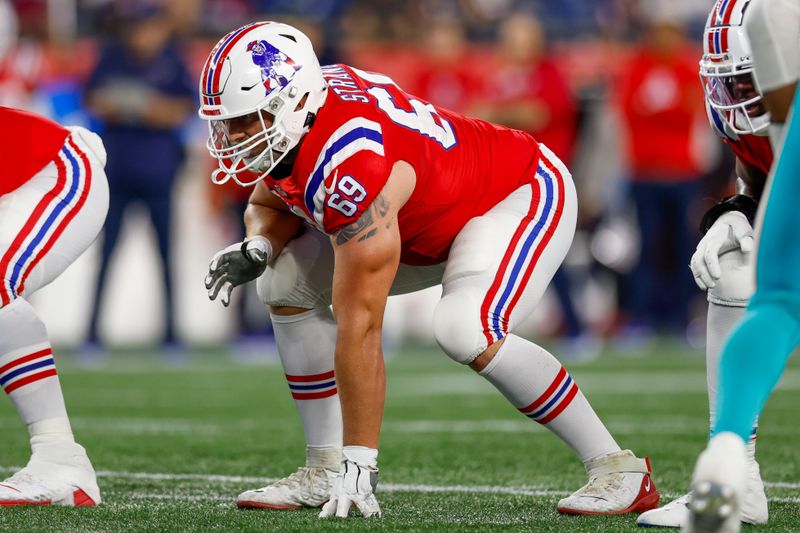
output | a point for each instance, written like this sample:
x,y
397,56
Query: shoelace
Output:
x,y
601,485
33,484
303,476
23,477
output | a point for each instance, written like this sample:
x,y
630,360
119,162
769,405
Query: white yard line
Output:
x,y
619,425
530,490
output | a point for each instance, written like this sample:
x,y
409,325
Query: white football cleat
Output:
x,y
619,483
310,486
55,475
676,513
718,484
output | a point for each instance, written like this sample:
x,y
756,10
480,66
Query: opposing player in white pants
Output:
x,y
53,202
723,264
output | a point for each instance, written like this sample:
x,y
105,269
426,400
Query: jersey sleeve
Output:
x,y
349,173
349,190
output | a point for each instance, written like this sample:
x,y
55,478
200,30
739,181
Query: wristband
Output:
x,y
260,243
361,455
738,202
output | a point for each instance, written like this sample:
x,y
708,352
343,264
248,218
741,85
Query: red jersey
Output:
x,y
542,84
752,150
463,166
660,101
28,143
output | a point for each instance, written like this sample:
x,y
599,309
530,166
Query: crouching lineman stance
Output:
x,y
756,352
723,264
411,196
53,202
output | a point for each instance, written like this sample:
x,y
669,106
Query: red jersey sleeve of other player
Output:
x,y
28,143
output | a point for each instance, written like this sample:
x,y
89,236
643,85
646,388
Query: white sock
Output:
x,y
306,344
720,320
28,370
539,387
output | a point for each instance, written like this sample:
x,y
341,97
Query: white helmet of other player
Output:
x,y
267,72
726,69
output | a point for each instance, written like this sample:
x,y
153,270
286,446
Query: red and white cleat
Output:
x,y
55,475
618,483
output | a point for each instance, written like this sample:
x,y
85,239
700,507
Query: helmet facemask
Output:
x,y
735,96
258,153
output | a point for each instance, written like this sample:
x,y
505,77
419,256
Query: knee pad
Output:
x,y
302,276
20,327
457,327
737,283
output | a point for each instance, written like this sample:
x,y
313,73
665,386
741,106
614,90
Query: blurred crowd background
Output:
x,y
611,86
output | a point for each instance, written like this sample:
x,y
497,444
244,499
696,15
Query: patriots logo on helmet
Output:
x,y
277,69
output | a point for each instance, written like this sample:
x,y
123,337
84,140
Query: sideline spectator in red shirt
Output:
x,y
444,78
662,104
525,89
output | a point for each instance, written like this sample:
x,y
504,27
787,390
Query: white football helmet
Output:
x,y
726,69
266,69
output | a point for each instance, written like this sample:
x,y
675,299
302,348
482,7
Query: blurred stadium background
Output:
x,y
477,56
175,439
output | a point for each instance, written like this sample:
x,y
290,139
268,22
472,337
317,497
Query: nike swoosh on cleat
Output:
x,y
647,485
10,487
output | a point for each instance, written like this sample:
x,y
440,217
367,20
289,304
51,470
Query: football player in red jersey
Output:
x,y
361,191
53,202
723,264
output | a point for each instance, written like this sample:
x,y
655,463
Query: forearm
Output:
x,y
750,180
361,382
276,225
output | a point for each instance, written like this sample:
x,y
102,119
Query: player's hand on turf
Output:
x,y
235,265
730,231
355,485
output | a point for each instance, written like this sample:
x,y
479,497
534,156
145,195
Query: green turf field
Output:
x,y
174,445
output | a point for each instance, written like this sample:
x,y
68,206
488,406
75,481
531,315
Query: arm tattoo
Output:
x,y
377,210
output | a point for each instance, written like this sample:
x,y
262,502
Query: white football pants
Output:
x,y
497,271
53,218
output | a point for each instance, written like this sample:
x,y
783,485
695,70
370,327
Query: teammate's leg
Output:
x,y
47,224
726,306
498,269
754,355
